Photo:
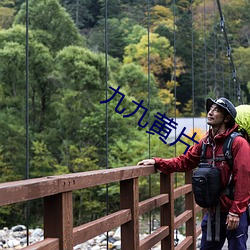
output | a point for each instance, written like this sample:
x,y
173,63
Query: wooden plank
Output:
x,y
167,210
198,209
99,177
24,190
178,192
198,231
190,205
154,238
46,244
185,244
58,219
129,196
182,218
152,203
90,230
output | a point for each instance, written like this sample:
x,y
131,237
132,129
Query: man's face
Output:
x,y
215,116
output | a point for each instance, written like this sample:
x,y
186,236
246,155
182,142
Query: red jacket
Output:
x,y
241,167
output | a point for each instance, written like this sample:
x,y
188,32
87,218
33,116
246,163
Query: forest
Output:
x,y
59,73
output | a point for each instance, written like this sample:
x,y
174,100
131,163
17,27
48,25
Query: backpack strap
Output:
x,y
203,152
203,155
227,151
227,148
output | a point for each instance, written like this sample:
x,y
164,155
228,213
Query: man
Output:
x,y
221,115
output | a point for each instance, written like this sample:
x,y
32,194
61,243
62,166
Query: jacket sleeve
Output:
x,y
182,163
241,175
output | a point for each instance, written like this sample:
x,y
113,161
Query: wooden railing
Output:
x,y
59,232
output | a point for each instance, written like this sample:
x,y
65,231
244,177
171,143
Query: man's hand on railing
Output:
x,y
146,162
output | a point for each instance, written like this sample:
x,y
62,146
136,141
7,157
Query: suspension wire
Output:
x,y
223,78
205,51
77,13
174,72
215,53
192,24
27,206
149,142
229,54
107,120
175,94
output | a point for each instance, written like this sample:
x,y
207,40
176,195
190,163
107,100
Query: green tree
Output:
x,y
53,25
136,83
13,60
242,64
117,31
42,163
84,13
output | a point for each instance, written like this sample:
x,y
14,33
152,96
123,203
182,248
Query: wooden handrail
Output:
x,y
58,208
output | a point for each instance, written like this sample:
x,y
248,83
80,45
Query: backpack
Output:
x,y
206,185
243,120
206,179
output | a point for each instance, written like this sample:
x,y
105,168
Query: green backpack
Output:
x,y
243,120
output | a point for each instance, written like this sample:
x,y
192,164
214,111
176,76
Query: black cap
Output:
x,y
223,103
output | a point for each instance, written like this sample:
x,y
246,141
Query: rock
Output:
x,y
103,243
13,243
81,246
117,234
16,238
3,233
38,232
111,233
18,228
111,239
91,242
95,248
117,245
100,238
23,240
18,234
18,247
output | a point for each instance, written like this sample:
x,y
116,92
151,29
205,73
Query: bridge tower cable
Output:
x,y
236,82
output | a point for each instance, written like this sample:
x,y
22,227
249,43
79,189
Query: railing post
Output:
x,y
58,219
129,198
167,210
190,205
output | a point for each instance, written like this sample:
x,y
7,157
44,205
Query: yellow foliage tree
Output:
x,y
6,17
156,53
161,16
